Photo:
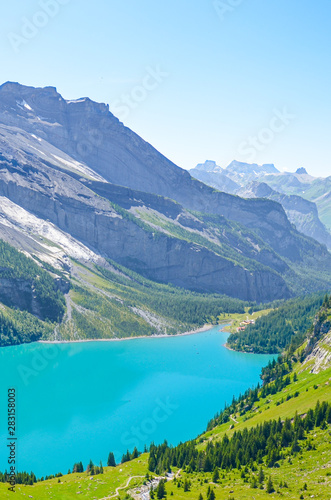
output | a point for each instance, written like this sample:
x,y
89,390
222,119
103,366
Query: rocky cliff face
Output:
x,y
90,134
104,191
214,176
19,293
320,357
295,192
318,350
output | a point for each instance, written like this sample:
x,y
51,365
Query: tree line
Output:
x,y
268,442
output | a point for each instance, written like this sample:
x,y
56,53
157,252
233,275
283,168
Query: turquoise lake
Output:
x,y
80,401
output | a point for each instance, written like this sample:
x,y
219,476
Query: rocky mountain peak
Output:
x,y
209,166
251,168
301,171
257,189
14,90
44,104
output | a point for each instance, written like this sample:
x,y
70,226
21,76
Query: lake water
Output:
x,y
83,400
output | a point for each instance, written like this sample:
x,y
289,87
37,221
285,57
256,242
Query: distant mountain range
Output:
x,y
83,195
306,199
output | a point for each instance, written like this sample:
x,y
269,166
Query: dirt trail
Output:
x,y
123,487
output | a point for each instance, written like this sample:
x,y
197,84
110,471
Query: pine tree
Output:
x,y
151,463
187,485
160,490
254,482
111,460
211,495
216,475
90,468
270,486
295,446
126,457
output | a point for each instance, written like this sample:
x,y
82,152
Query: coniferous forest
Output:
x,y
282,327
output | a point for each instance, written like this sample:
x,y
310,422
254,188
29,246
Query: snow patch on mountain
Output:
x,y
48,235
24,104
75,165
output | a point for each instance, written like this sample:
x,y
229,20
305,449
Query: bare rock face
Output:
x,y
317,353
91,219
88,132
320,358
318,350
20,294
302,213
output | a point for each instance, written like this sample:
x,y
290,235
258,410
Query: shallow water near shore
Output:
x,y
77,402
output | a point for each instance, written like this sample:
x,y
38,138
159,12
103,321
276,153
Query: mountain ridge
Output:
x,y
289,189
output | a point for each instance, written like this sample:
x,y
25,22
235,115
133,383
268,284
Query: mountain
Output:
x,y
84,196
208,166
301,171
314,189
302,213
156,238
243,172
297,192
212,175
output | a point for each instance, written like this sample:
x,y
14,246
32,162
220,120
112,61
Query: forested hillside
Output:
x,y
118,303
280,328
107,301
27,286
19,327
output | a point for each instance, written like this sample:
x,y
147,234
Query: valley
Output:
x,y
133,244
301,470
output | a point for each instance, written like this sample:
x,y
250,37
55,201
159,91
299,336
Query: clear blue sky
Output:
x,y
227,74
